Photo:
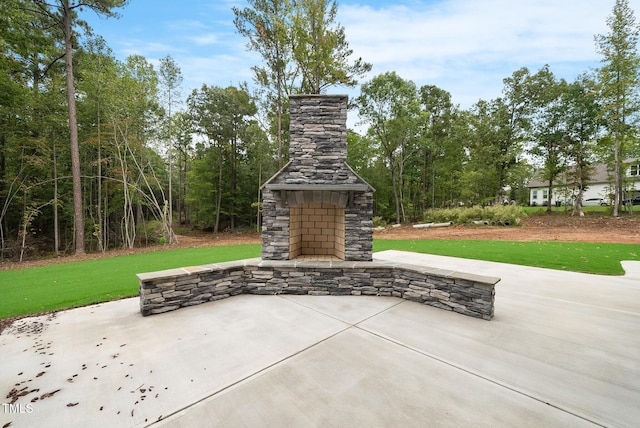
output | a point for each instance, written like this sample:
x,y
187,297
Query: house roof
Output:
x,y
600,174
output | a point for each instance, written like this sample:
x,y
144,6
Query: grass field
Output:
x,y
587,257
605,211
67,285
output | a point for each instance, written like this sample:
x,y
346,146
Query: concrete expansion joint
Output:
x,y
484,377
253,375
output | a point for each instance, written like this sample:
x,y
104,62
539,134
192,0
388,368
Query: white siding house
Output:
x,y
600,186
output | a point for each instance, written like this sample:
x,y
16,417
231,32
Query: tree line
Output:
x,y
99,153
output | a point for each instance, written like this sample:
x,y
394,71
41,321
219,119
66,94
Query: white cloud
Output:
x,y
144,48
463,46
205,39
454,43
220,70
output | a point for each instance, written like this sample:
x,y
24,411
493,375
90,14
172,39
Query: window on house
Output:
x,y
535,194
545,194
634,170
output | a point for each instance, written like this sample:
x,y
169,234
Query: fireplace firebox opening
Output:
x,y
316,230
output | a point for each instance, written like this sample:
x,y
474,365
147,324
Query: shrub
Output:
x,y
507,214
150,233
379,222
440,215
498,214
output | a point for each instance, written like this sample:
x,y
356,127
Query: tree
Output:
x,y
547,121
97,80
170,81
14,96
265,24
582,125
389,104
29,121
320,48
219,117
499,129
441,155
184,148
303,49
134,122
619,79
65,15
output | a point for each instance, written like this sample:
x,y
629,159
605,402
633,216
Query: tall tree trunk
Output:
x,y
56,223
259,198
617,186
170,207
233,183
424,197
3,161
577,206
78,215
394,186
105,221
127,225
101,245
23,231
401,194
549,195
3,167
182,172
218,200
279,108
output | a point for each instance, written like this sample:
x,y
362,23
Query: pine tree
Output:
x,y
619,80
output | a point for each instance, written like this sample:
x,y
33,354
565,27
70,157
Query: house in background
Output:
x,y
599,186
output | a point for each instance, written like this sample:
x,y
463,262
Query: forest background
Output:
x,y
97,153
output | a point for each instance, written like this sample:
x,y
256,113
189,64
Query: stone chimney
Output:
x,y
317,207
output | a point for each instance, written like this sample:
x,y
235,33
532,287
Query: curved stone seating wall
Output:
x,y
464,293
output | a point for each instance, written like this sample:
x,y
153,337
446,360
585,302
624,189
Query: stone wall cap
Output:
x,y
171,273
191,270
479,279
446,273
358,187
236,264
318,96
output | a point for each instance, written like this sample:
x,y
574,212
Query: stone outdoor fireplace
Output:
x,y
317,236
317,207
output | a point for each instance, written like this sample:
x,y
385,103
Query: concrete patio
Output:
x,y
562,350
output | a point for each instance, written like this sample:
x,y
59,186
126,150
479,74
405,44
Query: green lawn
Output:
x,y
67,285
596,258
597,210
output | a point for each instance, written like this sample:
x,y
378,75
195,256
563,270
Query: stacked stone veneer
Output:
x,y
317,173
464,293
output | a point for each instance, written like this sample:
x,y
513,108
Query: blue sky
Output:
x,y
463,46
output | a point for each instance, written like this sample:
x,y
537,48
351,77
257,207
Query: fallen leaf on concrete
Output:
x,y
48,394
